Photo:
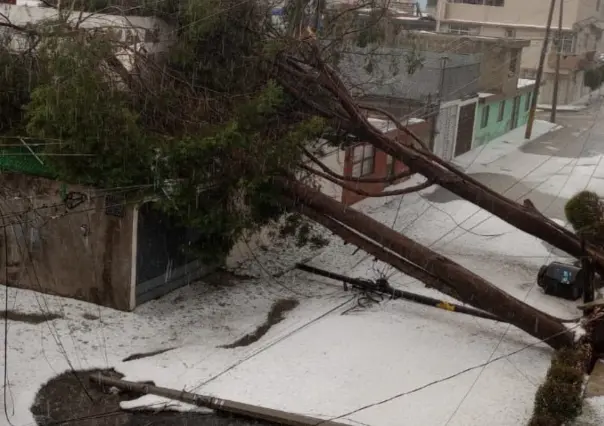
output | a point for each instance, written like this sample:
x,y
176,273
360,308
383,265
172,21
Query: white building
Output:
x,y
582,26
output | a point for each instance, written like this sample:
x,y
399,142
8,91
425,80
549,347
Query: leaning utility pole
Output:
x,y
557,75
224,405
531,118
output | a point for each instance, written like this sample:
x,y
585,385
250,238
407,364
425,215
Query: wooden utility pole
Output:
x,y
557,75
588,278
224,405
531,118
384,288
435,114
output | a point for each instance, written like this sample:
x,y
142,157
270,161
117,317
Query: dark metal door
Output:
x,y
465,129
163,262
515,111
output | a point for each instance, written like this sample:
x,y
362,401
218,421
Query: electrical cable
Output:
x,y
459,373
275,342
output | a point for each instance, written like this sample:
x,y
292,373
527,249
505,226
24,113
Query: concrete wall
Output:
x,y
334,159
80,253
494,73
496,127
388,76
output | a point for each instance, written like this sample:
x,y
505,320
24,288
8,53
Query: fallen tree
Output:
x,y
316,80
220,130
471,288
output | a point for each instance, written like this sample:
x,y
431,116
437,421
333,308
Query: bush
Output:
x,y
585,212
559,399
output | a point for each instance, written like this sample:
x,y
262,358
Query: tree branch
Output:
x,y
403,191
397,123
330,172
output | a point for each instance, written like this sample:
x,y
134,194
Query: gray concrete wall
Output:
x,y
80,252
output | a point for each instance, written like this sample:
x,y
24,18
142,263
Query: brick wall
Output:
x,y
380,166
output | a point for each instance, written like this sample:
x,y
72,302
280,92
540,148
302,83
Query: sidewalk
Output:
x,y
503,145
578,105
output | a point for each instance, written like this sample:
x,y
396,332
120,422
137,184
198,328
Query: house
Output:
x,y
108,247
497,75
496,115
362,160
582,25
138,33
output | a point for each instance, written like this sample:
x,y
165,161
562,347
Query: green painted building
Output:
x,y
496,115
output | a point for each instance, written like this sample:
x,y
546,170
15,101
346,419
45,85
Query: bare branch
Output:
x,y
397,123
335,175
403,191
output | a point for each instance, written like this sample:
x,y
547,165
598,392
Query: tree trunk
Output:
x,y
526,219
377,251
344,110
471,288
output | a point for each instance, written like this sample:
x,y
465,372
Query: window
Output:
x,y
510,33
528,73
527,103
485,117
513,61
363,160
501,111
462,29
566,44
389,166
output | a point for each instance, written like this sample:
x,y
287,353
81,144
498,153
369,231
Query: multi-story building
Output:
x,y
582,25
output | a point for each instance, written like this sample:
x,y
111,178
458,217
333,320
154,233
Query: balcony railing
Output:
x,y
571,61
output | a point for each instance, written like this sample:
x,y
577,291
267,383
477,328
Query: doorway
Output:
x,y
465,129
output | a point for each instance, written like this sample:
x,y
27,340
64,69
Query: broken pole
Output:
x,y
224,405
387,289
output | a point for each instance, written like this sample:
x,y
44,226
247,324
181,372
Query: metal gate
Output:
x,y
465,129
444,142
163,262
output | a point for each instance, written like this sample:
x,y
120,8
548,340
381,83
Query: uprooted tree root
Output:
x,y
559,399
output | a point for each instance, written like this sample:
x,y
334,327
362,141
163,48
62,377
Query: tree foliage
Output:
x,y
585,212
204,127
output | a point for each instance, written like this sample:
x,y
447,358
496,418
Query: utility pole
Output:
x,y
588,278
223,405
557,75
439,100
531,118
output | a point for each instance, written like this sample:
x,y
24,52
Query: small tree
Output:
x,y
585,212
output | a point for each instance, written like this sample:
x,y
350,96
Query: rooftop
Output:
x,y
502,42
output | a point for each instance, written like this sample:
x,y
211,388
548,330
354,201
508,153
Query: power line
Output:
x,y
459,373
270,345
